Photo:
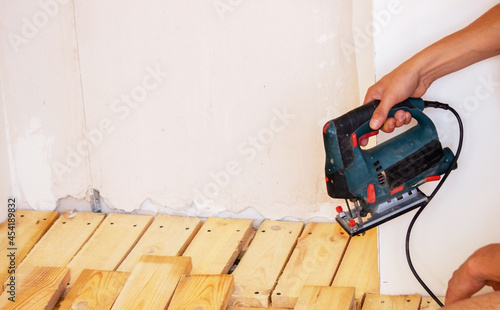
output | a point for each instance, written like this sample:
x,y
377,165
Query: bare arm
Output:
x,y
476,42
481,269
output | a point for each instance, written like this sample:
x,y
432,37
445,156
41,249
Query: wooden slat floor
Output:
x,y
121,261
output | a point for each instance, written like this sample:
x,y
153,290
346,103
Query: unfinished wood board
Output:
x,y
253,308
110,243
152,282
314,261
326,297
64,239
36,288
385,302
429,304
166,236
18,239
259,269
207,292
359,266
95,289
217,244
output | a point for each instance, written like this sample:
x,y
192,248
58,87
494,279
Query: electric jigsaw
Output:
x,y
382,181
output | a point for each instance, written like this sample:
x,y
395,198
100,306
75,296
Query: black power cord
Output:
x,y
444,106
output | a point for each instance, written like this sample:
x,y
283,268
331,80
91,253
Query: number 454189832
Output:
x,y
11,209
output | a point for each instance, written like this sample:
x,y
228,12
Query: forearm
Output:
x,y
490,301
476,42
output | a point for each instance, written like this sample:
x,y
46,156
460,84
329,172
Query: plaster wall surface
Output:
x,y
212,107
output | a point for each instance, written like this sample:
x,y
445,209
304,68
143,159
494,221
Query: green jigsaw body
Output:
x,y
382,181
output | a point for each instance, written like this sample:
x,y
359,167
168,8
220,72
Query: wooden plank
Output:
x,y
64,239
359,266
152,282
253,308
95,289
314,261
259,269
29,227
326,297
207,292
110,243
36,288
429,304
386,302
167,236
216,246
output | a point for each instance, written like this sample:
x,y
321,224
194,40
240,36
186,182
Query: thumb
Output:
x,y
382,111
379,116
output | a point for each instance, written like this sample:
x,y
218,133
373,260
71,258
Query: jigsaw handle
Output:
x,y
357,121
352,120
414,106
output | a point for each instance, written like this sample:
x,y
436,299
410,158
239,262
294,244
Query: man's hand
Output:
x,y
481,269
393,88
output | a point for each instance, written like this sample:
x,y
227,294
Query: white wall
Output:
x,y
42,107
209,107
464,214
